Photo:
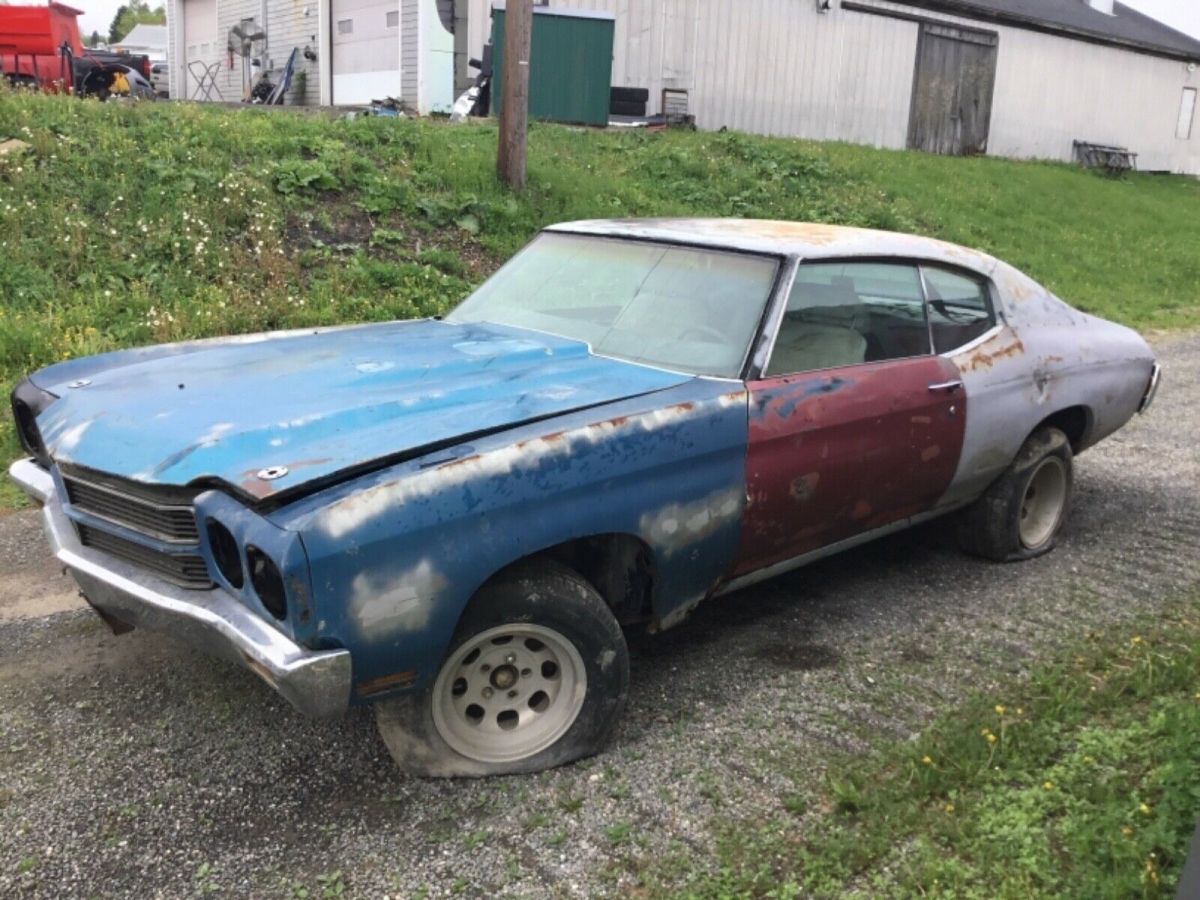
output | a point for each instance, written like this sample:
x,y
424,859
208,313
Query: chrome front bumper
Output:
x,y
315,682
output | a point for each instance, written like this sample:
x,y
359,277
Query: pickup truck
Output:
x,y
40,48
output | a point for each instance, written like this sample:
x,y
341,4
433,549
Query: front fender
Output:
x,y
396,556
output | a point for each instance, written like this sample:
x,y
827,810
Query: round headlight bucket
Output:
x,y
225,553
28,402
267,581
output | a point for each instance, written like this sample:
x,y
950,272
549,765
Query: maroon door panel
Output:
x,y
841,451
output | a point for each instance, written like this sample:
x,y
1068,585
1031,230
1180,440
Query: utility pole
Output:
x,y
514,94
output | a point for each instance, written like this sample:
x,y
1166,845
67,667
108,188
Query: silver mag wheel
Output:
x,y
536,676
509,692
1020,515
1043,503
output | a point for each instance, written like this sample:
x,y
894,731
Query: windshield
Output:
x,y
689,309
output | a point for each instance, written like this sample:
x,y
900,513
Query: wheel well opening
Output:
x,y
1074,421
619,566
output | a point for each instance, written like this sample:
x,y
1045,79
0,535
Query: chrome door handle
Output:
x,y
946,386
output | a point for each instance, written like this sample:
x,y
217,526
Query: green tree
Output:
x,y
135,12
94,40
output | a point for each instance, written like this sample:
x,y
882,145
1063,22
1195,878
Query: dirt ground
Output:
x,y
133,766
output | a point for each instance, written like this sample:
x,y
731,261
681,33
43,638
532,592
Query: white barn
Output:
x,y
144,40
1015,78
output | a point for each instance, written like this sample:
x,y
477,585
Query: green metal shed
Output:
x,y
570,64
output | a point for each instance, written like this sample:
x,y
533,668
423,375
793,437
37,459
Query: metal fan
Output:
x,y
241,42
242,38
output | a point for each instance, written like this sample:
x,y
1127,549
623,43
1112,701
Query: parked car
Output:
x,y
159,79
453,518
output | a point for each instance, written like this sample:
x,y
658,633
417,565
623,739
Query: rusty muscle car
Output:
x,y
454,519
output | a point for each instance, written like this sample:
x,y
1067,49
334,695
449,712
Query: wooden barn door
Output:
x,y
952,90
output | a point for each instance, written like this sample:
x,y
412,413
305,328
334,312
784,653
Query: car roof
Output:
x,y
810,241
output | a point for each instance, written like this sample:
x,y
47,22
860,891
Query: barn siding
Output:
x,y
410,56
286,25
779,67
1051,91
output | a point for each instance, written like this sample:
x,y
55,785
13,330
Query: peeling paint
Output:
x,y
349,398
678,526
71,437
804,486
384,607
988,354
358,509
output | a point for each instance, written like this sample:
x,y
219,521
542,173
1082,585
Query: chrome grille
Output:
x,y
161,512
186,570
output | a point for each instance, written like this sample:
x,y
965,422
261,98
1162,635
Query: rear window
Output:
x,y
960,307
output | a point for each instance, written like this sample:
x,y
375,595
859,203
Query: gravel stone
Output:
x,y
135,767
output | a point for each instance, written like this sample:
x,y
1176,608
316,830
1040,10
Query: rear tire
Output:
x,y
1021,514
536,676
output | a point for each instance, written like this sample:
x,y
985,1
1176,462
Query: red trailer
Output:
x,y
32,40
40,47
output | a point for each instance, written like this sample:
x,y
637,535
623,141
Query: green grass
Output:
x,y
128,225
1081,781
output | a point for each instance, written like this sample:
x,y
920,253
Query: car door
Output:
x,y
854,423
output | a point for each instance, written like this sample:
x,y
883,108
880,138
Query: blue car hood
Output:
x,y
316,402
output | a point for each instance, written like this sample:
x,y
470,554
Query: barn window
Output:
x,y
1187,112
393,19
345,26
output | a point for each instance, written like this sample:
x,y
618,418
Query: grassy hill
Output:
x,y
128,225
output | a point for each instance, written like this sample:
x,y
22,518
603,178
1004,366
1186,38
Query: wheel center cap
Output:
x,y
504,677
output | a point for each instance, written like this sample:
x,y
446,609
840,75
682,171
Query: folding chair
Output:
x,y
206,79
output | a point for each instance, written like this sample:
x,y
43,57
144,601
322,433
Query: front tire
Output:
x,y
536,676
1021,514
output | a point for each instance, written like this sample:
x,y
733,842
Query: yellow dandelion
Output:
x,y
999,710
1127,831
1020,712
985,731
1049,786
949,807
1135,640
991,739
927,760
1144,809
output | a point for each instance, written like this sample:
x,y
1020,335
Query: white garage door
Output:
x,y
200,46
366,50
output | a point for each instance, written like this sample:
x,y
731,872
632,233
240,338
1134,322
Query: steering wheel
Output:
x,y
704,331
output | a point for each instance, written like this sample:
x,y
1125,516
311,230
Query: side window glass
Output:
x,y
842,314
960,308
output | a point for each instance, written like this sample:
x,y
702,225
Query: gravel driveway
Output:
x,y
134,766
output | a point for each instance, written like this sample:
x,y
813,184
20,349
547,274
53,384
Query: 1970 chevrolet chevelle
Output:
x,y
453,518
